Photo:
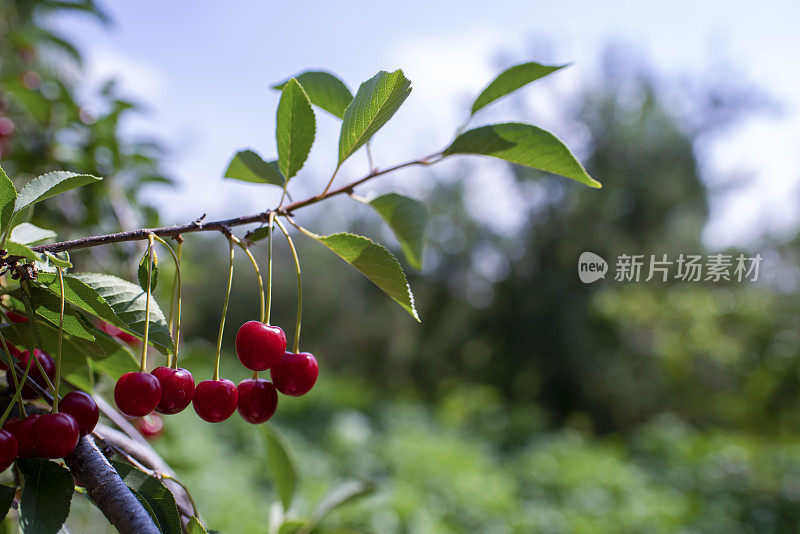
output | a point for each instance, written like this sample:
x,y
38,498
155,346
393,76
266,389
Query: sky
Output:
x,y
204,70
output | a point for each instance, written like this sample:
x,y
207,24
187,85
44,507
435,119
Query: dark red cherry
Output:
x,y
15,317
47,364
258,399
150,426
82,407
8,449
15,353
137,394
295,374
260,346
55,435
177,389
215,400
22,430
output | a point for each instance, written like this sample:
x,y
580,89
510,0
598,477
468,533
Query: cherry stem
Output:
x,y
224,309
143,364
176,333
12,368
296,345
17,394
269,266
60,339
37,339
258,274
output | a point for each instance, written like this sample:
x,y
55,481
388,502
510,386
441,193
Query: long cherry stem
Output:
x,y
296,344
269,267
60,339
143,364
176,287
224,310
258,275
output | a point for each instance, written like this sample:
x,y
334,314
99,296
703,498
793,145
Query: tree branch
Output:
x,y
222,225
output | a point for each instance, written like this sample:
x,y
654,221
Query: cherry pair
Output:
x,y
166,390
52,435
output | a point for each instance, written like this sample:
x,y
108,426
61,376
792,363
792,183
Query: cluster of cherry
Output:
x,y
260,347
51,435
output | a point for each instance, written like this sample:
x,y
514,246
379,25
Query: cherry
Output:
x,y
8,449
47,364
21,429
82,407
15,317
120,334
295,374
177,389
150,426
55,435
15,353
257,400
137,393
215,400
260,346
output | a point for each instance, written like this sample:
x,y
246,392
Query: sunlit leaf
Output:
x,y
148,264
281,465
49,185
375,103
512,79
523,144
325,91
248,166
295,128
8,198
29,234
407,218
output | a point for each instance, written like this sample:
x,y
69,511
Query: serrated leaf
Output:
x,y
324,90
375,103
295,128
80,295
49,185
47,490
144,265
407,218
48,306
282,466
248,166
523,144
160,499
7,494
8,198
195,526
29,234
374,262
512,79
128,302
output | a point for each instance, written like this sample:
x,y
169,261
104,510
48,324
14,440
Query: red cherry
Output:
x,y
295,374
150,426
257,400
122,335
215,400
55,435
260,346
22,430
47,364
137,394
177,389
15,353
8,449
82,407
15,317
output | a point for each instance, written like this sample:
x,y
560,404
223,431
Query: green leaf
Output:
x,y
512,79
338,496
144,265
146,506
48,306
6,498
49,185
80,295
47,490
258,234
248,166
375,103
160,499
120,358
24,251
523,144
8,198
407,218
295,128
195,527
128,302
324,90
282,466
29,234
374,262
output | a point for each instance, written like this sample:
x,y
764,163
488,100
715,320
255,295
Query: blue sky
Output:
x,y
204,69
